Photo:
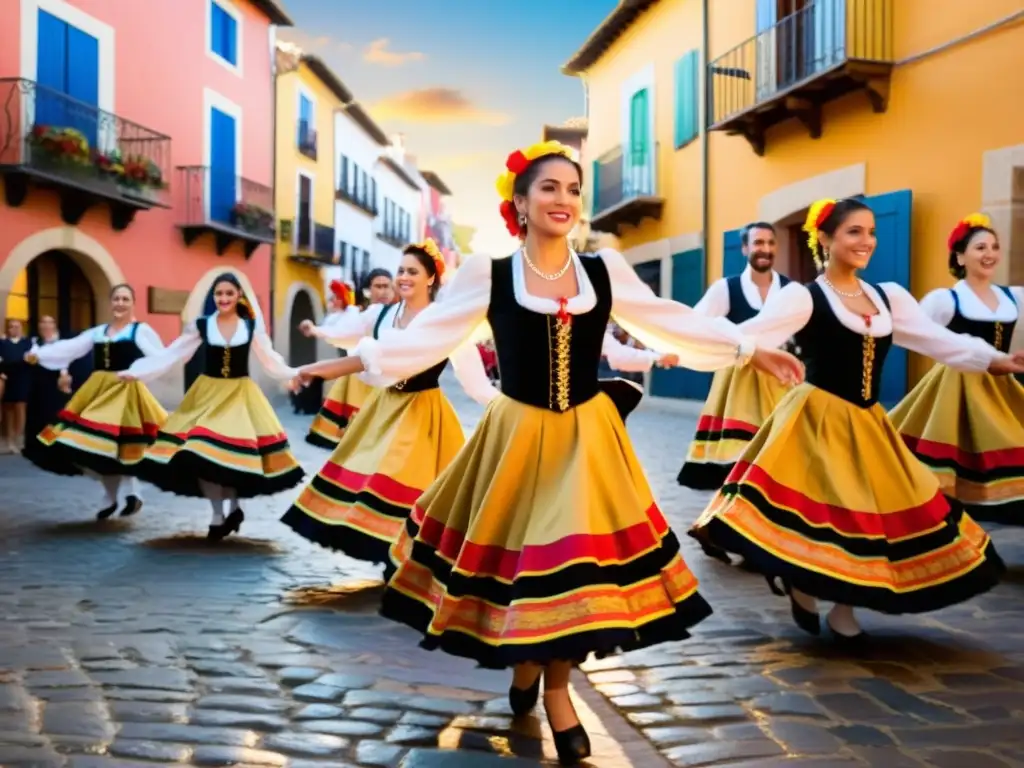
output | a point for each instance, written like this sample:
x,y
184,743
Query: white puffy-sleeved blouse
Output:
x,y
940,307
622,357
715,301
788,311
702,343
350,328
182,349
58,355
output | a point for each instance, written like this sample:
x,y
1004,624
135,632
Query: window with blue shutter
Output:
x,y
223,34
639,129
67,65
305,120
687,98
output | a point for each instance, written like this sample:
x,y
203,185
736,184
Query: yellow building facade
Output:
x,y
901,102
308,96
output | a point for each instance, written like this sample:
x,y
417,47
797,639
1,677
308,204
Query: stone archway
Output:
x,y
95,261
284,327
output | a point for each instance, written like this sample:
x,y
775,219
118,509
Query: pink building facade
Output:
x,y
137,146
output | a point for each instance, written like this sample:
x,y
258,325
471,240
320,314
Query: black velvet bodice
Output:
x,y
740,309
541,361
224,362
422,381
995,332
110,355
846,363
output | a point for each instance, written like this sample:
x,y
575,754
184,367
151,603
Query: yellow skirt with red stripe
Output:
x,y
968,428
542,541
224,432
828,498
105,428
344,399
740,400
361,498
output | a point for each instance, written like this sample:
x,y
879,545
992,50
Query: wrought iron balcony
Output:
x,y
362,200
393,236
827,49
315,244
626,189
307,139
230,208
89,156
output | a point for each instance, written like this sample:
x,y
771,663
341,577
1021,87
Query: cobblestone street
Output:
x,y
131,644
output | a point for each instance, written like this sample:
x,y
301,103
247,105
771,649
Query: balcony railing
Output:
x,y
307,139
824,50
315,243
87,154
626,188
393,236
361,199
230,207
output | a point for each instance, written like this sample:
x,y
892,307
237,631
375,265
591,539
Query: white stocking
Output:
x,y
133,487
109,484
230,499
842,620
215,494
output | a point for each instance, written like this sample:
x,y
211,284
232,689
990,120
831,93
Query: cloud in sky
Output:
x,y
319,44
435,105
378,52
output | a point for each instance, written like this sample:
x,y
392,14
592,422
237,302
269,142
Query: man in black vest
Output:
x,y
741,398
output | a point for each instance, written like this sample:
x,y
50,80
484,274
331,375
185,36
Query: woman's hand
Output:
x,y
301,381
307,328
1007,364
668,361
125,376
782,365
31,358
64,382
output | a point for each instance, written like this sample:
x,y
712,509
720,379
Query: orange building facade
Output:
x,y
705,116
138,148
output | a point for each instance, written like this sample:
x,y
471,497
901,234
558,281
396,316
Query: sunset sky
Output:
x,y
466,82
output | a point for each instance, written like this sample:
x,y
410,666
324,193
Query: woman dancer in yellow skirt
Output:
x,y
224,441
968,428
541,542
346,395
107,425
740,398
827,498
405,436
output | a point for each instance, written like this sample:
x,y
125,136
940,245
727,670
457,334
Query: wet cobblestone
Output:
x,y
130,644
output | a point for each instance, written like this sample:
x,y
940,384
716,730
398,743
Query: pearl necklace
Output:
x,y
844,294
554,275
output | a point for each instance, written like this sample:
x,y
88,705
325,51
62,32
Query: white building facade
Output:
x,y
400,200
358,143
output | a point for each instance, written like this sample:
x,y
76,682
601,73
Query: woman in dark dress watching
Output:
x,y
46,398
13,349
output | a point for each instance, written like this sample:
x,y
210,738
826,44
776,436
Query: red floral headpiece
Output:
x,y
964,226
343,293
516,164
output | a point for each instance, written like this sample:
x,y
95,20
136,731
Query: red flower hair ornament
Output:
x,y
515,165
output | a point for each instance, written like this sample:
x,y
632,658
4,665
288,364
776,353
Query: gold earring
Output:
x,y
522,219
826,253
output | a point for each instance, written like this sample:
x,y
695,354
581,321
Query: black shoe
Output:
x,y
132,505
808,621
572,746
106,512
231,525
522,700
849,642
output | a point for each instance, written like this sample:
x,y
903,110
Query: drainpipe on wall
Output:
x,y
705,177
272,310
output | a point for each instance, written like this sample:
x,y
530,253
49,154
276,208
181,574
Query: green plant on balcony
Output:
x,y
252,218
59,146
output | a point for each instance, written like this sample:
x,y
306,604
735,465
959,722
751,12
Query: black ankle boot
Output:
x,y
106,512
572,745
132,505
522,700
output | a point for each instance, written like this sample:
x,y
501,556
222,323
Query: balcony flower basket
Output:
x,y
59,147
253,218
136,175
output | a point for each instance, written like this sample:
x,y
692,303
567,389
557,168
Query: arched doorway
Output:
x,y
53,284
301,349
794,257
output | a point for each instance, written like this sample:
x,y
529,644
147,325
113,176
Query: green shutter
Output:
x,y
639,128
595,186
687,98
